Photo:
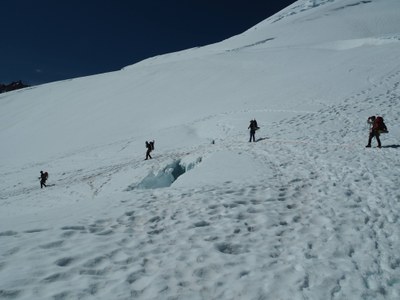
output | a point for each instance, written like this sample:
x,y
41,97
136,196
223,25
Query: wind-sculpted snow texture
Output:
x,y
306,212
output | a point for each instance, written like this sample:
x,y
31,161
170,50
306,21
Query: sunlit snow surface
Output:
x,y
306,212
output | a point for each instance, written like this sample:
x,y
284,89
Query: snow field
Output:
x,y
305,213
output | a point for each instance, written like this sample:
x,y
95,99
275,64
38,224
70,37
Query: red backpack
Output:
x,y
379,125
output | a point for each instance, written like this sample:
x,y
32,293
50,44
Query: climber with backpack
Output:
x,y
253,128
43,177
377,126
150,147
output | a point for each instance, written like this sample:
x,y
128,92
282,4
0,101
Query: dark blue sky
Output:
x,y
49,40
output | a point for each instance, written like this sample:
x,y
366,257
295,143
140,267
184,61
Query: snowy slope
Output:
x,y
305,213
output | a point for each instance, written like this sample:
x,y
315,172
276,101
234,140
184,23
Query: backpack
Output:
x,y
254,125
150,145
44,175
379,125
